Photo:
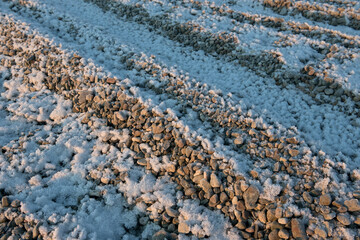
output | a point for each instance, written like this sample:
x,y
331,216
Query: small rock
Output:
x,y
214,200
5,202
35,231
160,235
344,219
241,225
183,228
292,140
251,196
223,197
254,174
262,217
2,218
243,186
122,115
329,216
284,234
274,235
356,194
283,221
111,80
271,215
205,185
238,141
307,197
298,229
355,175
329,91
352,205
193,12
325,200
214,181
172,212
142,162
357,220
293,152
321,232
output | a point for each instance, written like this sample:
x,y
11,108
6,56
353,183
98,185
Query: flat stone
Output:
x,y
284,234
262,217
270,214
292,140
111,80
241,225
321,232
205,185
344,219
352,205
293,152
298,229
283,221
325,200
183,228
172,212
214,181
223,197
158,129
142,162
214,200
356,194
307,197
357,220
5,202
329,216
274,235
251,196
122,115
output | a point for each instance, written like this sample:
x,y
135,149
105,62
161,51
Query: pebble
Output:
x,y
251,196
307,197
325,200
214,181
274,235
293,152
320,232
172,212
283,221
298,229
205,185
183,228
5,202
223,197
284,234
344,218
238,141
352,205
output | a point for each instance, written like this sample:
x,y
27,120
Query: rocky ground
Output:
x,y
179,119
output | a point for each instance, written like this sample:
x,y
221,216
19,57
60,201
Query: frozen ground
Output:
x,y
232,100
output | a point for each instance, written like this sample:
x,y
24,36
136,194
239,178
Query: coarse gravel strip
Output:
x,y
345,135
126,117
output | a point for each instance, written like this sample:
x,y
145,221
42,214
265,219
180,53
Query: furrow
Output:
x,y
316,12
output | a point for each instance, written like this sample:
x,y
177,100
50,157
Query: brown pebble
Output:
x,y
5,202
